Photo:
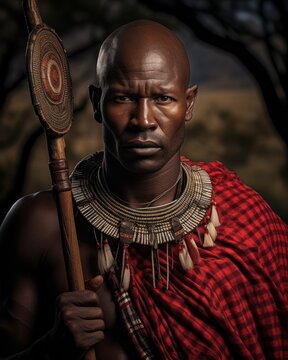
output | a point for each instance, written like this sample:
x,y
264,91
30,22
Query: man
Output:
x,y
193,263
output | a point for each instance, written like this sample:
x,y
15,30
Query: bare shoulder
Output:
x,y
42,201
30,225
27,233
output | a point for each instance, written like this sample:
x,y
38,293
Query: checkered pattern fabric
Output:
x,y
131,321
234,303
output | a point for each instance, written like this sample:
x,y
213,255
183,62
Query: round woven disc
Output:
x,y
50,81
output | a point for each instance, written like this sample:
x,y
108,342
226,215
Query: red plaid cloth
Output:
x,y
131,320
234,303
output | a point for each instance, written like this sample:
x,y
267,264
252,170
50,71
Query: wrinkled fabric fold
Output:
x,y
233,303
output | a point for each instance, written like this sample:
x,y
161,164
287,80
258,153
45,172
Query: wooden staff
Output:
x,y
51,93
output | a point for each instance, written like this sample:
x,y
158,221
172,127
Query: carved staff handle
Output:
x,y
51,93
61,184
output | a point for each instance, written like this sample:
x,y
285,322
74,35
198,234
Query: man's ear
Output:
x,y
95,96
191,94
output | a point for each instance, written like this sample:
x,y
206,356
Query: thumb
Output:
x,y
94,283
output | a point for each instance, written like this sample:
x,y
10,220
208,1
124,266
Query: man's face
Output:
x,y
144,107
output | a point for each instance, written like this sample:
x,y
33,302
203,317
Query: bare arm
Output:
x,y
20,251
25,238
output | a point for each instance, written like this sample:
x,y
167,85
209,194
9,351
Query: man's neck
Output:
x,y
141,190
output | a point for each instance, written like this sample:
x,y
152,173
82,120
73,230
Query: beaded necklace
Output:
x,y
152,225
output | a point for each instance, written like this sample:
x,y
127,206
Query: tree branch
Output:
x,y
276,108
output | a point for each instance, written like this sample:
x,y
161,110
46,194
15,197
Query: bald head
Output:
x,y
142,41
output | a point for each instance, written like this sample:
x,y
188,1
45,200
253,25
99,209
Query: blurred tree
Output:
x,y
255,31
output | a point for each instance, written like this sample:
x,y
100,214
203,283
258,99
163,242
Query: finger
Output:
x,y
95,283
78,298
89,340
86,313
91,326
95,337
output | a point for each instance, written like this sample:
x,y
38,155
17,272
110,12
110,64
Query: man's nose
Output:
x,y
143,117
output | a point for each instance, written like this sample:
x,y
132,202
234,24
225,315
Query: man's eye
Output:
x,y
163,99
122,99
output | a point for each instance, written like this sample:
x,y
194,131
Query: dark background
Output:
x,y
238,53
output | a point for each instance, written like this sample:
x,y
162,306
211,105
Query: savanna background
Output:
x,y
238,54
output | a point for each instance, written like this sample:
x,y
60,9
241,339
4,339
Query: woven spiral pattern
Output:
x,y
50,81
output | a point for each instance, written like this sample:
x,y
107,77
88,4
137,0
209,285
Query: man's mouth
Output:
x,y
142,147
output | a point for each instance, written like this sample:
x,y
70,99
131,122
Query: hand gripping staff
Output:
x,y
51,93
